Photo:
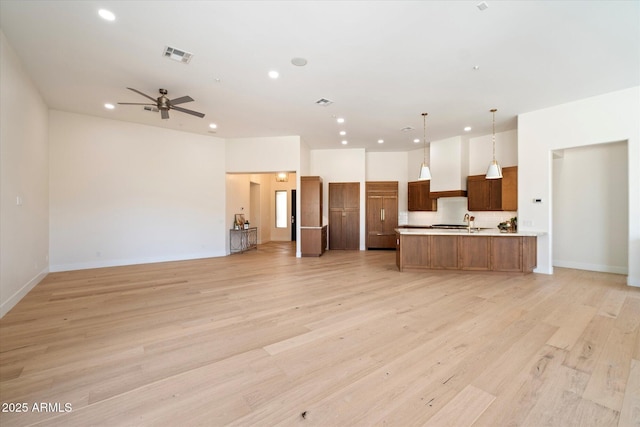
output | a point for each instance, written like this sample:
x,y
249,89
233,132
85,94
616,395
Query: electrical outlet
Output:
x,y
527,223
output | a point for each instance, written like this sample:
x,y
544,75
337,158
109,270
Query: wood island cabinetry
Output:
x,y
499,253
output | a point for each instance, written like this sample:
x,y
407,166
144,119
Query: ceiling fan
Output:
x,y
165,104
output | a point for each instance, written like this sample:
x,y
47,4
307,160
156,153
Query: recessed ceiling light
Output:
x,y
274,74
107,15
340,120
416,140
344,142
381,141
467,128
476,67
300,62
343,133
213,125
109,106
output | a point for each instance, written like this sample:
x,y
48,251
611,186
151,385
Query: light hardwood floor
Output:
x,y
264,338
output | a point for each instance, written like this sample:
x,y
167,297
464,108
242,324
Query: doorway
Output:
x,y
590,208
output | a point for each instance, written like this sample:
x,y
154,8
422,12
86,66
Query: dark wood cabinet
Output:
x,y
314,240
310,201
382,214
493,194
419,197
313,235
508,253
344,215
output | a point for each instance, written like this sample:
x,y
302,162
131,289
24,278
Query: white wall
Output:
x,y
24,170
601,119
345,165
449,164
124,193
392,167
481,149
590,209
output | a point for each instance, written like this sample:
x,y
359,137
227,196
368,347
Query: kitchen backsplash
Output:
x,y
451,210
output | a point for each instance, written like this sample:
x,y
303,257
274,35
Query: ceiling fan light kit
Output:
x,y
164,104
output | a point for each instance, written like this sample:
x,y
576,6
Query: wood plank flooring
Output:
x,y
264,338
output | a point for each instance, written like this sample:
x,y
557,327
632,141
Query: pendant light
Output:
x,y
425,173
494,171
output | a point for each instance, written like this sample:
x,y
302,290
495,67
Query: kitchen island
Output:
x,y
482,250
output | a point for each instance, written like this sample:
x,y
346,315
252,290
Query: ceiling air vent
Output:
x,y
323,102
406,129
177,54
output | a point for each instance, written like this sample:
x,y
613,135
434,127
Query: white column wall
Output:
x,y
24,181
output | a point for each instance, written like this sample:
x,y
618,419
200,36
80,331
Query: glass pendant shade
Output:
x,y
494,171
425,173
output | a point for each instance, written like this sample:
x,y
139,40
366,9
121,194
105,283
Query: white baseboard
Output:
x,y
591,267
633,281
6,306
133,261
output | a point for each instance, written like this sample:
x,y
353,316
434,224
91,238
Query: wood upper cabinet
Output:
x,y
344,215
493,194
310,201
382,214
418,197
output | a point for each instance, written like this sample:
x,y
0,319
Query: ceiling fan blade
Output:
x,y
184,110
143,94
134,103
181,100
164,114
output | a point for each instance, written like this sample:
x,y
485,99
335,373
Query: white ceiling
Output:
x,y
382,63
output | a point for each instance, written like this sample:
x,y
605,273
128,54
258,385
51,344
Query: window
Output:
x,y
281,209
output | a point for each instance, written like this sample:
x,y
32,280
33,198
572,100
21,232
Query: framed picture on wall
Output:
x,y
239,220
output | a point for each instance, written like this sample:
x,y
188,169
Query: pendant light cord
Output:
x,y
493,138
424,137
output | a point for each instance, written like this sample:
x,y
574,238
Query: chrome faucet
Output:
x,y
469,220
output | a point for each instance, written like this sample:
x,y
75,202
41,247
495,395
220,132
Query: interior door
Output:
x,y
344,215
293,215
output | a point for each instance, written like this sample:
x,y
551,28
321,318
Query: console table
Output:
x,y
243,240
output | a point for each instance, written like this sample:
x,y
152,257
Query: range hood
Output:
x,y
449,163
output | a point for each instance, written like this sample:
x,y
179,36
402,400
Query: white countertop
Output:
x,y
465,232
